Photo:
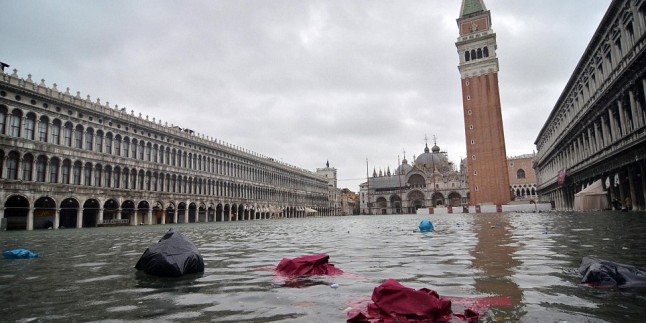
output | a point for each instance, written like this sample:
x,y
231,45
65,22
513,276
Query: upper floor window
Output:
x,y
520,174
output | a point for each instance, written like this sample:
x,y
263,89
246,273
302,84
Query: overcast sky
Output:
x,y
302,81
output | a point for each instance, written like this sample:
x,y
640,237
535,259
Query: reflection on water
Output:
x,y
88,274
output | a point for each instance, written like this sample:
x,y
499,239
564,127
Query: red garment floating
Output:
x,y
311,265
393,302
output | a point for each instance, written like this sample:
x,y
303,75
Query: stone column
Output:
x,y
134,218
100,216
163,218
30,219
79,218
175,215
118,214
149,216
631,187
57,218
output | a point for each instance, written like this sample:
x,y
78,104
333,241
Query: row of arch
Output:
x,y
56,170
20,213
415,200
476,54
28,125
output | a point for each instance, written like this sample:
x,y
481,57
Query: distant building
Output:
x,y
341,201
68,161
522,178
432,180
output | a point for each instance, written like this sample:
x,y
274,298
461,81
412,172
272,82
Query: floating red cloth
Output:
x,y
312,265
393,302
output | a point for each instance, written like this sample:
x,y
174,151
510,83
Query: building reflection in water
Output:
x,y
493,258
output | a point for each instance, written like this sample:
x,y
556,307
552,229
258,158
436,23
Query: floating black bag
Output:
x,y
602,273
173,256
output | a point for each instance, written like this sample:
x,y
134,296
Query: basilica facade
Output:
x,y
431,180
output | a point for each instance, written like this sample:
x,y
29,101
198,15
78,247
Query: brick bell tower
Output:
x,y
485,137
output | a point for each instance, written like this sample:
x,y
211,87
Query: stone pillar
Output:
x,y
149,216
79,218
134,218
163,218
30,219
622,194
57,218
119,213
631,187
100,216
175,215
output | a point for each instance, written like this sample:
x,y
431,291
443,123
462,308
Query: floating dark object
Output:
x,y
603,273
311,265
173,256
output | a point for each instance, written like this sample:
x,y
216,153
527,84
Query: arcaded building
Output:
x,y
522,178
597,128
485,138
71,162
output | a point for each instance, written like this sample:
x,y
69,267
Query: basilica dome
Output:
x,y
404,168
432,159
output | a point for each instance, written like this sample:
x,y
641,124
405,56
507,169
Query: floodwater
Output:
x,y
88,275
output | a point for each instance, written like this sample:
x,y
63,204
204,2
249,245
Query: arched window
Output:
x,y
117,177
67,135
76,173
14,123
43,124
78,137
485,51
98,174
467,56
142,149
117,145
12,165
479,52
27,166
520,174
41,167
108,176
3,117
56,132
88,175
53,170
148,152
89,139
30,126
473,54
66,170
134,148
126,147
108,143
99,141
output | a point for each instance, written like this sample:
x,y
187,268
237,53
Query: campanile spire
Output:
x,y
485,138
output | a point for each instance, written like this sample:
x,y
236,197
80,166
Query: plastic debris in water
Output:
x,y
426,226
335,285
19,254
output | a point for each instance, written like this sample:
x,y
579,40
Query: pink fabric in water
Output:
x,y
311,265
393,302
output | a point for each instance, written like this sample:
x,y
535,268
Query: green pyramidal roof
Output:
x,y
472,6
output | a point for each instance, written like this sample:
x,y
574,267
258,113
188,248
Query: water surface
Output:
x,y
88,275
